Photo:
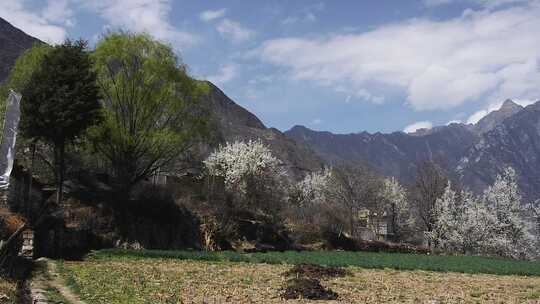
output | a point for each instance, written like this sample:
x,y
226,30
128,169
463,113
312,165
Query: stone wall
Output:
x,y
26,194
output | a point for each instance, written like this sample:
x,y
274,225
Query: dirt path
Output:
x,y
48,283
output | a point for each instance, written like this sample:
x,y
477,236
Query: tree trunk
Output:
x,y
29,206
351,223
394,226
59,153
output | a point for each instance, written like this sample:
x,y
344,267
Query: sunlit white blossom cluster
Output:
x,y
493,224
238,161
396,204
311,189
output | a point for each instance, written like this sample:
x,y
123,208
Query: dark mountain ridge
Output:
x,y
474,154
13,42
394,154
514,142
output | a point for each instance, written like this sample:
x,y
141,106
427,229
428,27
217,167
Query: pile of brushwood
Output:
x,y
11,265
304,282
343,242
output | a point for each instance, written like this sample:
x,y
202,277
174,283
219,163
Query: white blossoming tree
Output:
x,y
534,214
457,215
512,232
396,206
311,213
444,227
312,189
476,228
252,176
493,224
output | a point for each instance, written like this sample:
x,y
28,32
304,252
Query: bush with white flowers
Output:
x,y
311,190
250,172
395,203
493,224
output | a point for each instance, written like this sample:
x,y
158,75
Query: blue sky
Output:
x,y
341,66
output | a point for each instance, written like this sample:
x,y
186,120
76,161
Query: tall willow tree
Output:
x,y
152,107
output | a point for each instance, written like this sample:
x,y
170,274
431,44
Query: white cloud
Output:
x,y
486,3
482,55
307,14
476,116
418,125
251,94
211,15
235,31
524,102
34,22
362,94
290,20
151,16
455,121
226,73
308,17
437,2
262,79
59,11
316,121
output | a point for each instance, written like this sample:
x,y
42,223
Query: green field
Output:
x,y
461,264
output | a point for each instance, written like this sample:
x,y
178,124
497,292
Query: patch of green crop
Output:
x,y
399,261
533,292
54,296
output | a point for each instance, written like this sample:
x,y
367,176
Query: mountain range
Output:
x,y
473,153
13,42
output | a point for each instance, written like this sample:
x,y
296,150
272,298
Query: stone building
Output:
x,y
373,225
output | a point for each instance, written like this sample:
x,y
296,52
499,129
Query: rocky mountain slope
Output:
x,y
514,142
13,42
475,154
396,154
490,121
233,122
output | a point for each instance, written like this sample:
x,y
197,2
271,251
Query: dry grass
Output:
x,y
8,291
184,281
9,222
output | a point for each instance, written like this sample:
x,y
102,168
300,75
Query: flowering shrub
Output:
x,y
311,190
395,203
252,175
493,224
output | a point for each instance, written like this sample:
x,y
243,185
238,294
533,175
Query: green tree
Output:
x,y
21,72
153,114
60,101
